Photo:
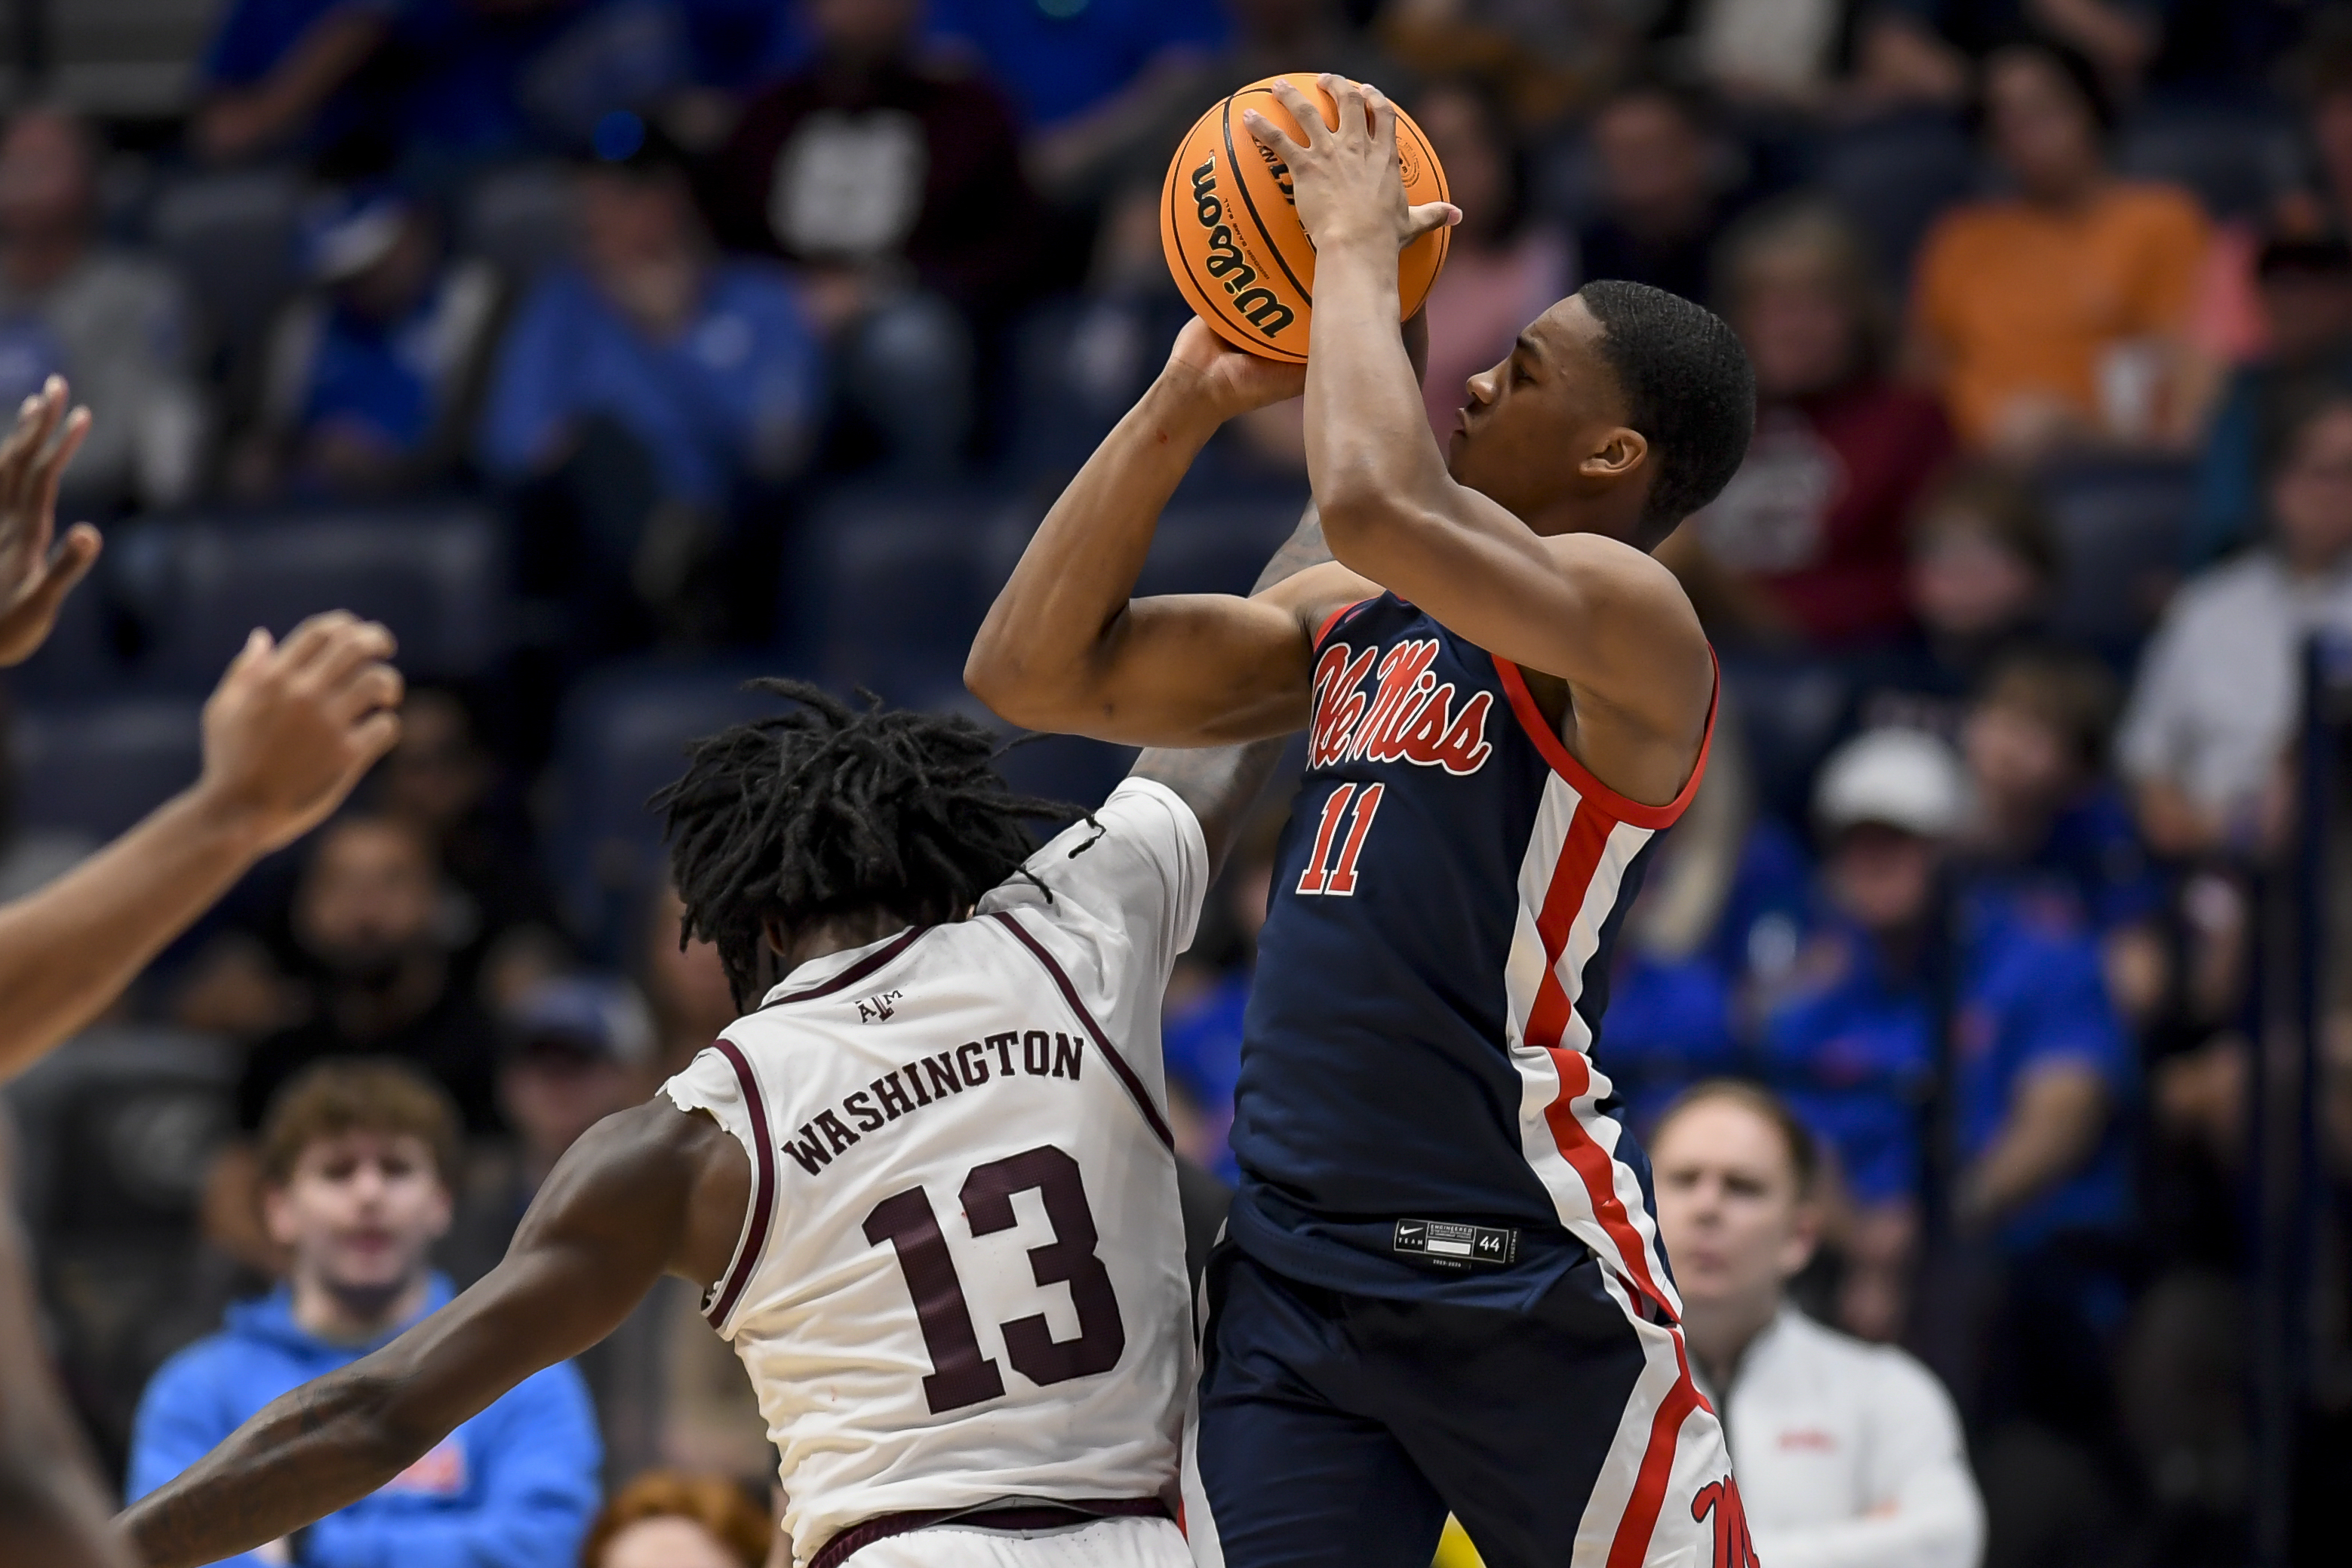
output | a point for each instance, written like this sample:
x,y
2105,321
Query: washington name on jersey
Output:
x,y
961,1279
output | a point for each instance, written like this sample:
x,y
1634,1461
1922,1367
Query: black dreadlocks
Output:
x,y
829,809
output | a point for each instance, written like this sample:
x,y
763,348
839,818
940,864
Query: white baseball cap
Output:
x,y
1900,778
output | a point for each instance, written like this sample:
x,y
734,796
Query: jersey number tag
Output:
x,y
960,1373
1339,879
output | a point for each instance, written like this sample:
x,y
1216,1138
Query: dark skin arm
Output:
x,y
1602,616
1065,648
1222,783
648,1190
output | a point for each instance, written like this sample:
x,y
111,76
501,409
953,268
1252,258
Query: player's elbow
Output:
x,y
1008,685
1363,521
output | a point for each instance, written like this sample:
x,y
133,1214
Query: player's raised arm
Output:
x,y
650,1190
1532,543
1065,648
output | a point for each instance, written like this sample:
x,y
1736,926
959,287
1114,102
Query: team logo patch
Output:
x,y
878,1006
1408,717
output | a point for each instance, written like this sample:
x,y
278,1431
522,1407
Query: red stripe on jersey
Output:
x,y
1563,762
763,1188
1594,1165
1631,1545
1571,884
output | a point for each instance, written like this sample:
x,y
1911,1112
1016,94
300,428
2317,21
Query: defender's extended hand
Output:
x,y
1228,381
1347,181
34,578
294,725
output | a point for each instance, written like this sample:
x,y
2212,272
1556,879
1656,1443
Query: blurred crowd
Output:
x,y
741,334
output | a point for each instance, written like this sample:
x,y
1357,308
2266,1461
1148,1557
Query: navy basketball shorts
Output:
x,y
1337,1431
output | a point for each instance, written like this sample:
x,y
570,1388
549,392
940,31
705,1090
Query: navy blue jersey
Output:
x,y
1432,978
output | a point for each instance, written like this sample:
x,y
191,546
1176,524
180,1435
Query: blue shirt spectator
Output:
x,y
256,35
1058,61
513,1487
492,80
1201,1045
2091,872
1853,1052
739,376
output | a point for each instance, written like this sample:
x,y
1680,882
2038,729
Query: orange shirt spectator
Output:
x,y
2058,314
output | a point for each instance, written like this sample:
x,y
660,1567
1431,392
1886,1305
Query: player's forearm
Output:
x,y
1370,456
2052,1129
307,1454
68,950
1049,644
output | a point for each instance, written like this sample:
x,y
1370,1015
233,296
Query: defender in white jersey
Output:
x,y
927,1180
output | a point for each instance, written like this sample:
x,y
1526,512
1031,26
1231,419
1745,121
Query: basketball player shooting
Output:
x,y
927,1182
1442,1287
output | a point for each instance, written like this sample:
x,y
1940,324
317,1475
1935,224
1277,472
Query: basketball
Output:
x,y
1230,229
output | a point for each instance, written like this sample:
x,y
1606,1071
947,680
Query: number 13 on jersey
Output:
x,y
1324,875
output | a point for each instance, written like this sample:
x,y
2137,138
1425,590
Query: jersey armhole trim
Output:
x,y
1334,618
1633,813
1133,1085
756,1223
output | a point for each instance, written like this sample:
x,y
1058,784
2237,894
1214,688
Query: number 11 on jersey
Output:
x,y
1337,879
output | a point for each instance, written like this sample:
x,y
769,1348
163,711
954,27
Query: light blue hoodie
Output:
x,y
513,1487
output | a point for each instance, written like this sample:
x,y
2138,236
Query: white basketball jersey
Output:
x,y
962,1276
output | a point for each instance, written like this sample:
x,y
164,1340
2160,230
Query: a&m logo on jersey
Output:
x,y
1410,718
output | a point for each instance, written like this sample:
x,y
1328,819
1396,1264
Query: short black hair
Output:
x,y
1688,389
830,808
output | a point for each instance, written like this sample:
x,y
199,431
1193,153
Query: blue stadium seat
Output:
x,y
1077,365
96,767
520,218
622,734
1895,176
1790,711
2119,524
232,236
893,584
1218,544
435,575
2236,162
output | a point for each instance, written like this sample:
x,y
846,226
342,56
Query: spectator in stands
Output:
x,y
1806,543
1087,82
898,189
357,1166
117,326
2052,825
441,781
1769,57
2022,366
671,1521
2040,1068
2205,739
1664,196
368,917
1983,562
1921,50
641,399
1544,61
1504,268
277,74
1713,934
479,81
2306,305
1847,1453
577,1049
371,374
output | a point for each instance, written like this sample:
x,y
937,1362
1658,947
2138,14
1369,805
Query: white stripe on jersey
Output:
x,y
971,1120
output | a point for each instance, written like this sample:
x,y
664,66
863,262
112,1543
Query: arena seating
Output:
x,y
232,238
2119,522
2236,162
435,575
98,765
1893,176
519,218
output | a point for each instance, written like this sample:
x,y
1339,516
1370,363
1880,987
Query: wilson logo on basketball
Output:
x,y
1409,718
1225,263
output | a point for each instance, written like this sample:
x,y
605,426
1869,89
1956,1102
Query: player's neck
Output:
x,y
354,1317
834,933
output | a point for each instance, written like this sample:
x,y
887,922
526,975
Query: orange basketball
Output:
x,y
1231,229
